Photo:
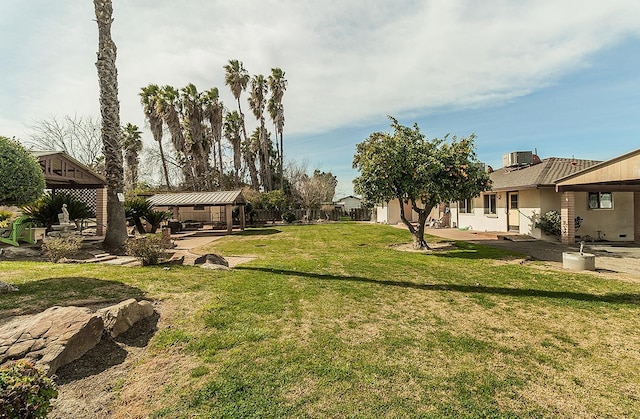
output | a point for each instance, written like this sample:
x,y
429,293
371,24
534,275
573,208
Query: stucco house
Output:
x,y
605,195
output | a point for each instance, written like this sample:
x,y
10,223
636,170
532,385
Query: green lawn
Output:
x,y
331,321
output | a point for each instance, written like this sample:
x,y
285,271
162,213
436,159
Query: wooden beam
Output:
x,y
598,188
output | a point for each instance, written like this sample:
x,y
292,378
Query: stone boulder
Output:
x,y
21,252
120,317
211,259
7,288
52,338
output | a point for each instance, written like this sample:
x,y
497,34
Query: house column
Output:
x,y
229,217
101,211
567,217
636,217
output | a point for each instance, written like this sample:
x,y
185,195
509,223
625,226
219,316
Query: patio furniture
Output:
x,y
17,232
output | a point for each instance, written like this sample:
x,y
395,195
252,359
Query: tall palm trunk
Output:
x,y
116,232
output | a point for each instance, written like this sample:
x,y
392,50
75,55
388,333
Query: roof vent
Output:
x,y
517,158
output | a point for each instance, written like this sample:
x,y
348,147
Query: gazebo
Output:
x,y
205,207
61,171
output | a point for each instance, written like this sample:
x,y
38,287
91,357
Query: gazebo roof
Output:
x,y
61,171
198,198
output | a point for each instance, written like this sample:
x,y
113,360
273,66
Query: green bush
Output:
x,y
136,208
149,249
25,391
550,223
63,247
288,217
155,218
45,210
21,175
6,217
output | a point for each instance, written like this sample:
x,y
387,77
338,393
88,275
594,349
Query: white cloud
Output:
x,y
346,61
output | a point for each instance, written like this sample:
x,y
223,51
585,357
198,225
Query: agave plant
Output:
x,y
46,209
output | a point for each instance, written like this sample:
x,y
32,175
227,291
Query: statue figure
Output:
x,y
63,217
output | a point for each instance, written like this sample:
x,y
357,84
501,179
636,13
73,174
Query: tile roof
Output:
x,y
198,198
542,174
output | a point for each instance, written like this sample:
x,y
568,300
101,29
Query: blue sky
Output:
x,y
560,77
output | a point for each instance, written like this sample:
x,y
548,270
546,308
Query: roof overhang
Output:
x,y
188,199
620,174
61,171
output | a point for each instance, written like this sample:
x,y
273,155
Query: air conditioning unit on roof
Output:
x,y
517,158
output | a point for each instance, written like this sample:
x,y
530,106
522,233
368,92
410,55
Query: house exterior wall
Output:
x,y
615,224
389,213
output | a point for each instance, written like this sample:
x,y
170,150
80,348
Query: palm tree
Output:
x,y
250,148
257,103
149,96
116,232
237,78
132,146
232,133
198,145
277,86
170,107
214,113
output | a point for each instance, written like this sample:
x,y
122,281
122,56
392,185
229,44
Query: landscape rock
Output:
x,y
7,288
52,338
20,252
120,317
211,259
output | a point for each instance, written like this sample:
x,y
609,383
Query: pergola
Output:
x,y
620,174
201,206
62,171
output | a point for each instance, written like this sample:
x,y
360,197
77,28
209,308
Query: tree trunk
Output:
x,y
116,232
417,233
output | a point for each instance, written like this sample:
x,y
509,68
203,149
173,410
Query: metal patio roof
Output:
x,y
198,198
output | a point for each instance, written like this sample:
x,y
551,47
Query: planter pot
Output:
x,y
579,261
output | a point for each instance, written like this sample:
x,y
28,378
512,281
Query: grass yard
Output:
x,y
332,321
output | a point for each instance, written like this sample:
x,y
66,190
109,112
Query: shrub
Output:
x,y
22,177
288,217
149,249
155,218
6,217
135,208
63,247
25,391
550,223
45,210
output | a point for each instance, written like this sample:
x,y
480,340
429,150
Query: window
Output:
x,y
490,204
600,200
513,201
198,207
465,207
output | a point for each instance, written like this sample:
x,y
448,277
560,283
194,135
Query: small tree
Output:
x,y
405,166
21,178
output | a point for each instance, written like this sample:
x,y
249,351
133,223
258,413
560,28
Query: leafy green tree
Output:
x,y
22,178
404,165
